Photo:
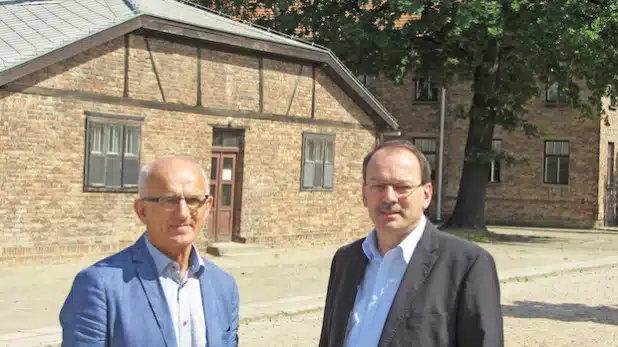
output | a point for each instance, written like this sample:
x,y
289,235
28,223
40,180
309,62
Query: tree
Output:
x,y
505,49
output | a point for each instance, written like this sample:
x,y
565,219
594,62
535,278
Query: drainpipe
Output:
x,y
441,154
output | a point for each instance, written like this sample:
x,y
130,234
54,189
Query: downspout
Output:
x,y
441,154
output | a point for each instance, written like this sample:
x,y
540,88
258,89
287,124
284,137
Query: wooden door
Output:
x,y
222,178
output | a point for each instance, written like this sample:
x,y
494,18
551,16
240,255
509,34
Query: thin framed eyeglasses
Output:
x,y
171,203
402,190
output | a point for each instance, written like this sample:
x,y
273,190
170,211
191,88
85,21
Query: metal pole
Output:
x,y
441,154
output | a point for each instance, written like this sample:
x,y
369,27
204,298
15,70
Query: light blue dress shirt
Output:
x,y
183,296
377,291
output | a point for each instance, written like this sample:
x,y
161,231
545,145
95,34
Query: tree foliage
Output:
x,y
508,50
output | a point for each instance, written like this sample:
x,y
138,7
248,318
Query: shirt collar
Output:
x,y
162,261
407,246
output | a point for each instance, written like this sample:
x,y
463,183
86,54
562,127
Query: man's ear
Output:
x,y
140,210
427,194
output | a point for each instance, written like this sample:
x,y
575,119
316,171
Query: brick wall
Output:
x,y
274,211
44,210
230,80
521,197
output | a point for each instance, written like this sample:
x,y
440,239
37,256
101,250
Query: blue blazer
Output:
x,y
120,302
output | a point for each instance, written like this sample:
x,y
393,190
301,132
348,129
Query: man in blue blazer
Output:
x,y
159,291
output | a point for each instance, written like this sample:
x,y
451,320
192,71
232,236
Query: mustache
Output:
x,y
389,207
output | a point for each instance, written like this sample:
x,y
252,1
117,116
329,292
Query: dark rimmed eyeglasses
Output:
x,y
171,203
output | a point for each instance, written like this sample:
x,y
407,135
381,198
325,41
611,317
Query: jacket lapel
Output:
x,y
213,330
149,279
421,263
351,271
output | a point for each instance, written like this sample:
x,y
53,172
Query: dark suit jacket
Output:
x,y
449,296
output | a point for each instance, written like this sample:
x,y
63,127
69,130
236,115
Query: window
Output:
x,y
112,153
428,147
224,137
426,91
556,162
556,94
369,81
494,169
318,157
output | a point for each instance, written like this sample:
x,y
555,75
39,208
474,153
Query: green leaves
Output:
x,y
505,48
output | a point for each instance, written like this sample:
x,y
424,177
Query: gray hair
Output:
x,y
144,175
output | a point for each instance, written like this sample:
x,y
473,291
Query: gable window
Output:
x,y
494,168
369,81
556,162
428,146
318,161
556,94
112,153
425,90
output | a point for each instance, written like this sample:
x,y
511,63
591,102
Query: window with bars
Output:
x,y
425,91
318,162
556,169
112,153
494,168
428,145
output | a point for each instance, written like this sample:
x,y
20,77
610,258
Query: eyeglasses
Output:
x,y
171,203
401,189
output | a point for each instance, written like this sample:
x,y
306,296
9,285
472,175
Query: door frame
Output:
x,y
214,215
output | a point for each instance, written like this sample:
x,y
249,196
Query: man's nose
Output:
x,y
182,208
390,194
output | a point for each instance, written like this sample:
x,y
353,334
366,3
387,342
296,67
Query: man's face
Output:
x,y
171,223
393,192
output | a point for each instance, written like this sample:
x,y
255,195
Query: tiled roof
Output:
x,y
30,28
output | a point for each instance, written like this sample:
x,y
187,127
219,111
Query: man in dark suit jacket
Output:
x,y
159,291
407,283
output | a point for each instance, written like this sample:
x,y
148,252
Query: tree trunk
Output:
x,y
469,210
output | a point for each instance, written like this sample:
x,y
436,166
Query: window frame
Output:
x,y
435,153
322,137
558,101
492,164
113,120
567,156
432,88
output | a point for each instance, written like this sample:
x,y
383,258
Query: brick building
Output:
x,y
565,179
90,90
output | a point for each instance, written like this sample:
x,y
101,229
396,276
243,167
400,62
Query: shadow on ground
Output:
x,y
493,237
562,312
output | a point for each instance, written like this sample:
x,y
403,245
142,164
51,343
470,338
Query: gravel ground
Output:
x,y
576,309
